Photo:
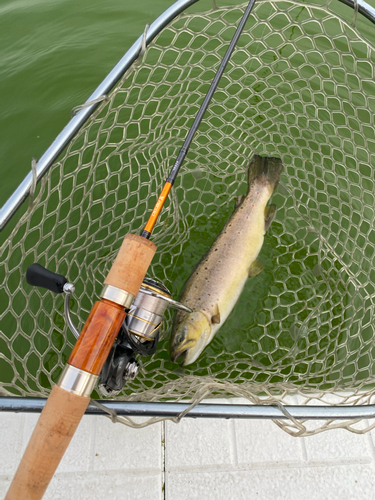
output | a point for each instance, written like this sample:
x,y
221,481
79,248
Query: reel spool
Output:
x,y
139,333
145,316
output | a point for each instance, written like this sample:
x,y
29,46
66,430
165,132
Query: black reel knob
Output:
x,y
37,275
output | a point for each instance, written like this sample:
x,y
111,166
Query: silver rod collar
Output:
x,y
117,295
77,381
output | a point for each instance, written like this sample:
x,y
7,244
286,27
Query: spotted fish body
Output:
x,y
214,287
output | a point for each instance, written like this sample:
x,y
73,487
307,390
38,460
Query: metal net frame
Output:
x,y
300,85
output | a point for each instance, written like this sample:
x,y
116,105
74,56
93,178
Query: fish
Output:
x,y
215,285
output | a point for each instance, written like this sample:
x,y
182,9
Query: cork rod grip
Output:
x,y
131,264
53,432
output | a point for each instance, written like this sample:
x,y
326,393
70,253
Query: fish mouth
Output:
x,y
182,350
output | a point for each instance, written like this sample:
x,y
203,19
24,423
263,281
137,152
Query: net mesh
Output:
x,y
300,85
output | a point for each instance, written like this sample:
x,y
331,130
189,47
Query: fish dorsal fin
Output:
x,y
215,318
256,267
269,215
239,200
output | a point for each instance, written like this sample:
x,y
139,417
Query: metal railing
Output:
x,y
203,410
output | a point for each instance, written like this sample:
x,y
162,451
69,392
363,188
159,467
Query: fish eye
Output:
x,y
179,338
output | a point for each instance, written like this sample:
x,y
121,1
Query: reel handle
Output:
x,y
37,275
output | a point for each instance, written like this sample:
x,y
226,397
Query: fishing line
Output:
x,y
245,85
251,59
146,233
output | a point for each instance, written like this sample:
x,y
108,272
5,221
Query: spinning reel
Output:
x,y
138,335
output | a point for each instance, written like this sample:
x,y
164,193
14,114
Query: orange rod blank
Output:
x,y
157,209
198,118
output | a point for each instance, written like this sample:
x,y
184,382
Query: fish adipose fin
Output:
x,y
215,318
266,170
269,215
256,267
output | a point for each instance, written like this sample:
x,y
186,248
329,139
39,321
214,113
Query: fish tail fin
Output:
x,y
266,170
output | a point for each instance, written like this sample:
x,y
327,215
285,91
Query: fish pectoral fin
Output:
x,y
215,318
239,200
269,215
256,267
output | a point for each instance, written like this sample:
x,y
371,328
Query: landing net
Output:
x,y
300,86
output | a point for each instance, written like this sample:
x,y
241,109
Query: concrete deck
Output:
x,y
199,459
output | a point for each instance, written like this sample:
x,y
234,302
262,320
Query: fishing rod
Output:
x,y
70,397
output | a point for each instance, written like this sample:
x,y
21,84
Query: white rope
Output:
x,y
355,13
76,109
143,45
34,163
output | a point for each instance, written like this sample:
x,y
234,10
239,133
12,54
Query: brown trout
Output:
x,y
215,285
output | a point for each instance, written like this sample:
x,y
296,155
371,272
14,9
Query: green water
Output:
x,y
52,56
